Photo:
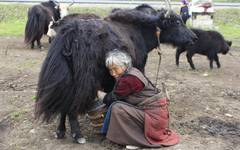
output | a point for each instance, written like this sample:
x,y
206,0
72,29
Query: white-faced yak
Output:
x,y
74,68
209,43
54,26
38,20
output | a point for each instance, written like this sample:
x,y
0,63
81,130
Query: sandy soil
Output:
x,y
204,107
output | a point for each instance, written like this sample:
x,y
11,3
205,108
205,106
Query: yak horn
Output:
x,y
53,19
71,3
55,2
167,14
168,4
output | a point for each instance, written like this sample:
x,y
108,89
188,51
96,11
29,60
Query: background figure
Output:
x,y
184,11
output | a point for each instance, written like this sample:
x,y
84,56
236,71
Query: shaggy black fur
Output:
x,y
209,43
39,17
76,16
147,9
74,68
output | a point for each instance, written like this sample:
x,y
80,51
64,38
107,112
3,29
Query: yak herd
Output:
x,y
74,70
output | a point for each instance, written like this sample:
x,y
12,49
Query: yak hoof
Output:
x,y
59,134
78,139
81,140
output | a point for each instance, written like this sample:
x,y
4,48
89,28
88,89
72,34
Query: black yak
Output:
x,y
38,20
74,68
209,43
54,26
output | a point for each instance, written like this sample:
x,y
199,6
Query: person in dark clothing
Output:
x,y
137,115
184,11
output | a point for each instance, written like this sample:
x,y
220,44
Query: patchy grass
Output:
x,y
227,16
29,63
96,10
13,12
228,31
228,23
13,19
12,28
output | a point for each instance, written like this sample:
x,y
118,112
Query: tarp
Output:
x,y
201,6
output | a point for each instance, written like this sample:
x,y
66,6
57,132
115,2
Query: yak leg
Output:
x,y
32,45
178,53
189,58
39,44
60,133
217,61
75,128
211,64
211,57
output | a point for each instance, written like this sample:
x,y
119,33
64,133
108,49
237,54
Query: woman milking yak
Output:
x,y
137,113
74,69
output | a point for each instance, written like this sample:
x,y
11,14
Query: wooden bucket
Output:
x,y
96,116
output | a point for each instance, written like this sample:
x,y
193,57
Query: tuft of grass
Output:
x,y
17,115
34,98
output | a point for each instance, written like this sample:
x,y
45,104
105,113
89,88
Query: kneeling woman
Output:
x,y
137,115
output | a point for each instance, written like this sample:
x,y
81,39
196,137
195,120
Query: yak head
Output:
x,y
226,47
55,7
173,30
60,9
64,9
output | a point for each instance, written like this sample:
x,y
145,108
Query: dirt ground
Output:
x,y
205,104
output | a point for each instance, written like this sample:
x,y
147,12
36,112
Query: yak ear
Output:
x,y
53,19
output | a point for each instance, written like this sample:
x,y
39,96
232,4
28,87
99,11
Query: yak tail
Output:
x,y
70,76
35,25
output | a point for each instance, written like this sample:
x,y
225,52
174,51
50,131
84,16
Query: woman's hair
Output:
x,y
119,58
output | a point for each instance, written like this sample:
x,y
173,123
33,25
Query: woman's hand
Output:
x,y
101,95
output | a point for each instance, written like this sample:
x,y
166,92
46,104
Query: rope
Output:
x,y
158,32
164,89
233,56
